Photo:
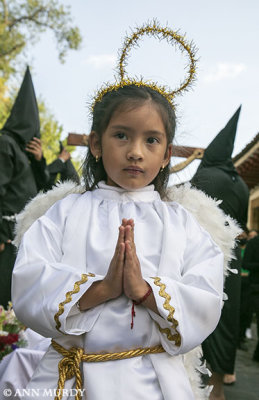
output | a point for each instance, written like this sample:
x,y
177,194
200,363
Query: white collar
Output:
x,y
145,194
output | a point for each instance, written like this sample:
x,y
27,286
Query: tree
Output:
x,y
5,102
51,132
22,21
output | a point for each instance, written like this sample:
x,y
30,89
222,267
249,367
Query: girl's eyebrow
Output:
x,y
121,127
127,128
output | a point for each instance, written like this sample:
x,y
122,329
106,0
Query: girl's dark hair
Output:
x,y
127,97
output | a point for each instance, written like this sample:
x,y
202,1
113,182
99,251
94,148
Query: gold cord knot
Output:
x,y
71,364
69,367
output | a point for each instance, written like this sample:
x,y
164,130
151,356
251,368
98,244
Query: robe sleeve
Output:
x,y
44,289
40,172
6,172
56,167
190,307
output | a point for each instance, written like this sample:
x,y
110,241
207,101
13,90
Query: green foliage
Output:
x,y
51,132
22,21
5,102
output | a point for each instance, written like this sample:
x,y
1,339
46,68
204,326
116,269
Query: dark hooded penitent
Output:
x,y
66,170
21,175
217,177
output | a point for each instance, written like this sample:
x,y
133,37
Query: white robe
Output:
x,y
78,236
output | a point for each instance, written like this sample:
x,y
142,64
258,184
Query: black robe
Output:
x,y
20,179
218,178
251,262
220,347
21,175
66,171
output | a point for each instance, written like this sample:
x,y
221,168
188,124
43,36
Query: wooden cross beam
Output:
x,y
77,139
190,153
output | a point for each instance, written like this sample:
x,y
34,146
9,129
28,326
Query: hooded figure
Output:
x,y
23,122
22,173
218,178
63,166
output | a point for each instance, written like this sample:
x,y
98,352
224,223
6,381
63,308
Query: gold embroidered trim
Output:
x,y
69,366
84,278
176,337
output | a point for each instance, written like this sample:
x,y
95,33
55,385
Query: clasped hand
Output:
x,y
124,273
34,147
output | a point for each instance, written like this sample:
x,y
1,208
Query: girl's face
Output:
x,y
133,147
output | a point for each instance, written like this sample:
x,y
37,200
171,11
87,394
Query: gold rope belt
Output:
x,y
69,366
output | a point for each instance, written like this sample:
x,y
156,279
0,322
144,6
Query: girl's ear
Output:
x,y
168,155
94,144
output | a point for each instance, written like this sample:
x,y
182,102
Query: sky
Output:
x,y
225,33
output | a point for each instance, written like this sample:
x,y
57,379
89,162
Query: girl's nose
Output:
x,y
135,153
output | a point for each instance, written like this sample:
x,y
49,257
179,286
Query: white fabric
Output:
x,y
222,228
35,341
17,368
78,235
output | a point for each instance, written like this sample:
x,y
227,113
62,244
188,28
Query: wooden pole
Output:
x,y
77,139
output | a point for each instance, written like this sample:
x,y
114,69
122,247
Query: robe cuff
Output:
x,y
167,320
69,320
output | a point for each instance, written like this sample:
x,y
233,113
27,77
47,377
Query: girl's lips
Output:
x,y
134,170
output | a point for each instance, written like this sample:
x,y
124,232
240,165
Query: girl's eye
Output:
x,y
152,140
121,135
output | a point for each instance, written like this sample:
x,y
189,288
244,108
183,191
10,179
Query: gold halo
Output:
x,y
172,37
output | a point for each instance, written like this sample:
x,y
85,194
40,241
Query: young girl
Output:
x,y
124,282
124,279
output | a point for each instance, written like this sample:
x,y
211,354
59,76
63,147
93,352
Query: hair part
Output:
x,y
127,97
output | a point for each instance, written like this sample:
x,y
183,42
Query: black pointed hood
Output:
x,y
217,176
23,122
219,152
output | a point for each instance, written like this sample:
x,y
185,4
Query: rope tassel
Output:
x,y
69,367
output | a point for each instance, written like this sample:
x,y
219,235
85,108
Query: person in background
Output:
x,y
61,169
22,174
218,178
246,309
251,262
245,301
